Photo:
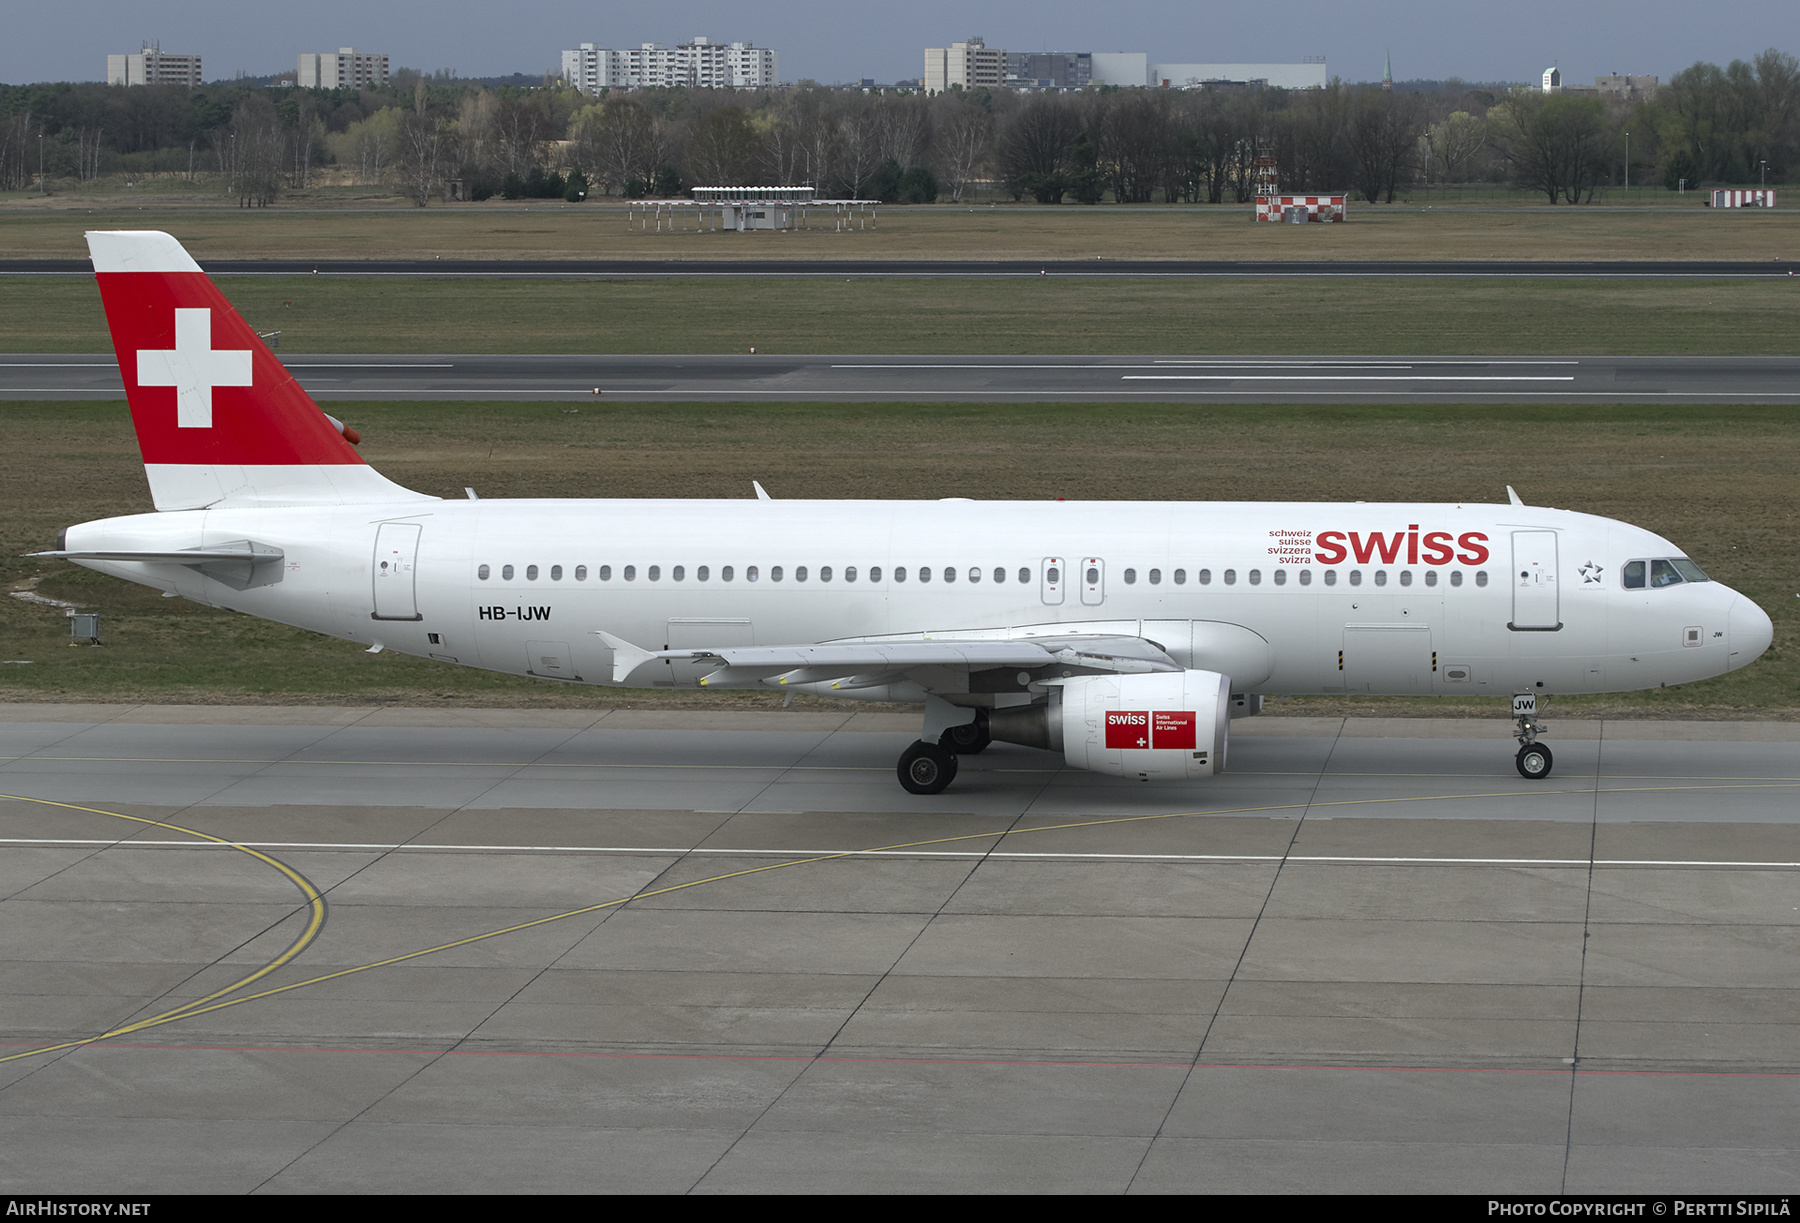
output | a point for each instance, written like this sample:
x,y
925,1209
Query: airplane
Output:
x,y
1125,636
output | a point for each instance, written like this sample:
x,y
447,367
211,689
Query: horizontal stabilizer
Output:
x,y
255,554
240,565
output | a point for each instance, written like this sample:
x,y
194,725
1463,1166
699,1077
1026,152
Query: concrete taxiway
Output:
x,y
1266,379
380,950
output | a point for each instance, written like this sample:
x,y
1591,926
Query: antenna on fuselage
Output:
x,y
1512,496
762,494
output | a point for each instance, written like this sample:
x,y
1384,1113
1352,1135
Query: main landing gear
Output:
x,y
926,768
1534,759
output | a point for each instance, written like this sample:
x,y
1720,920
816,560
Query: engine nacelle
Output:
x,y
1167,725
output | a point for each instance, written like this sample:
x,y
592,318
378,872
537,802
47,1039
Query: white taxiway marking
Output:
x,y
1247,377
678,850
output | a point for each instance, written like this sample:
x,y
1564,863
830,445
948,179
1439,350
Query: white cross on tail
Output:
x,y
193,367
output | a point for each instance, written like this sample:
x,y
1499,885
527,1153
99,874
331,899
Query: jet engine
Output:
x,y
1167,724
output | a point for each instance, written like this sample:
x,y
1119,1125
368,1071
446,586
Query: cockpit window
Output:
x,y
1658,574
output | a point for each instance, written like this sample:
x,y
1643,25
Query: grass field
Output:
x,y
1720,481
1682,229
1498,316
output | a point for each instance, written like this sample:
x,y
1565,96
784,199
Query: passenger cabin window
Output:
x,y
1131,577
1381,577
482,573
531,573
1356,577
974,574
1456,577
1306,577
581,573
924,573
1256,577
775,573
631,573
1231,577
1331,577
1204,577
875,573
678,573
1280,576
556,573
899,573
655,573
725,574
605,573
1431,577
1181,577
1156,577
949,574
1025,577
703,572
506,572
1481,577
749,573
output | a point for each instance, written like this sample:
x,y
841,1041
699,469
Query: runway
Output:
x,y
534,269
387,950
947,378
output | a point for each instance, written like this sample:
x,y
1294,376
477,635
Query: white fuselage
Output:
x,y
1369,598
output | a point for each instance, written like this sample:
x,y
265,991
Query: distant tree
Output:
x,y
1557,144
963,145
1383,137
918,186
723,149
427,146
626,145
256,148
1034,147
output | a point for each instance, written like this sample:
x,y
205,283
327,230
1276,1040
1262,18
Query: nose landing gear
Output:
x,y
1534,759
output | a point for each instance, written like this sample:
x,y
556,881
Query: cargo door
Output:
x,y
1392,659
549,660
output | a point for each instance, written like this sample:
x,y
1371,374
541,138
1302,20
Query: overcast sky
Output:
x,y
847,41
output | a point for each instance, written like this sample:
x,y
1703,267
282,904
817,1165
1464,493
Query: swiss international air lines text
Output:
x,y
1387,547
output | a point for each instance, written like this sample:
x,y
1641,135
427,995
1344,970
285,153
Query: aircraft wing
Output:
x,y
861,664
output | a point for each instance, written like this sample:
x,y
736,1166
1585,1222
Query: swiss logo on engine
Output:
x,y
1136,728
1127,728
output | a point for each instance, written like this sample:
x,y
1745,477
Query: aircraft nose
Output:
x,y
1750,632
